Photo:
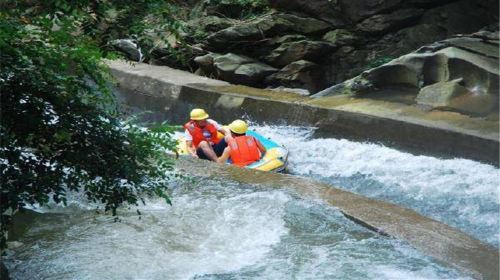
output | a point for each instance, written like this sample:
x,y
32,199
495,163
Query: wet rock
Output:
x,y
235,68
475,45
299,91
341,37
300,50
129,47
440,94
393,75
487,35
299,74
383,23
263,28
451,95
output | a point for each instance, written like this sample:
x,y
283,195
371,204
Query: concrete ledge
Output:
x,y
170,94
434,238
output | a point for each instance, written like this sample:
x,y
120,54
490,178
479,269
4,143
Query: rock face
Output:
x,y
383,23
262,28
234,68
299,74
459,74
451,95
342,38
326,10
293,51
346,37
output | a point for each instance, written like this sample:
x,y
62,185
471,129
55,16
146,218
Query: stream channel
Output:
x,y
228,230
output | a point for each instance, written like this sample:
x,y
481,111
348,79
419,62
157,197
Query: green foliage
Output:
x,y
378,61
60,129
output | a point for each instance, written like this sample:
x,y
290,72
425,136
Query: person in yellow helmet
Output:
x,y
242,149
201,136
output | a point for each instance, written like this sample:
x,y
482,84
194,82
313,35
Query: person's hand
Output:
x,y
194,155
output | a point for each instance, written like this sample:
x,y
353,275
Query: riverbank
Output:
x,y
170,93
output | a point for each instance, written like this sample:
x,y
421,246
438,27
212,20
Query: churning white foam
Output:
x,y
204,232
460,192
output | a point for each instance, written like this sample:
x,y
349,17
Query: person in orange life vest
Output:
x,y
242,149
201,136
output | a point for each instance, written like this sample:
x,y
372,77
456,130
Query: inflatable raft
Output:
x,y
274,160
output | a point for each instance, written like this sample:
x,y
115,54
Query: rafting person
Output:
x,y
241,149
201,136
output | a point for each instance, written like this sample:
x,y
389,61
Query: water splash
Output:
x,y
215,230
458,192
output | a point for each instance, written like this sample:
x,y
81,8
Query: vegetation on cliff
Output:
x,y
60,127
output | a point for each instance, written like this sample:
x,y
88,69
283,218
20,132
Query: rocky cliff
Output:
x,y
314,44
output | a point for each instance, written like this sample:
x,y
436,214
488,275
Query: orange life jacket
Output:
x,y
198,133
244,150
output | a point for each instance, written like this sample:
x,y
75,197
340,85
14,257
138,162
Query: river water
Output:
x,y
227,230
458,192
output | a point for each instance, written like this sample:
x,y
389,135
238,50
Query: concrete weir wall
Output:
x,y
170,94
434,238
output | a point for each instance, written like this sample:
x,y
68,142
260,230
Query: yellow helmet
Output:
x,y
198,114
238,127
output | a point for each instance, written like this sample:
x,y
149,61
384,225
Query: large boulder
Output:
x,y
169,56
299,74
129,47
211,23
341,37
326,10
236,69
451,95
356,10
262,28
383,23
289,52
460,73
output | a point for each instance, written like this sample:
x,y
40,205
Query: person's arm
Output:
x,y
225,131
220,128
225,155
189,143
191,149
